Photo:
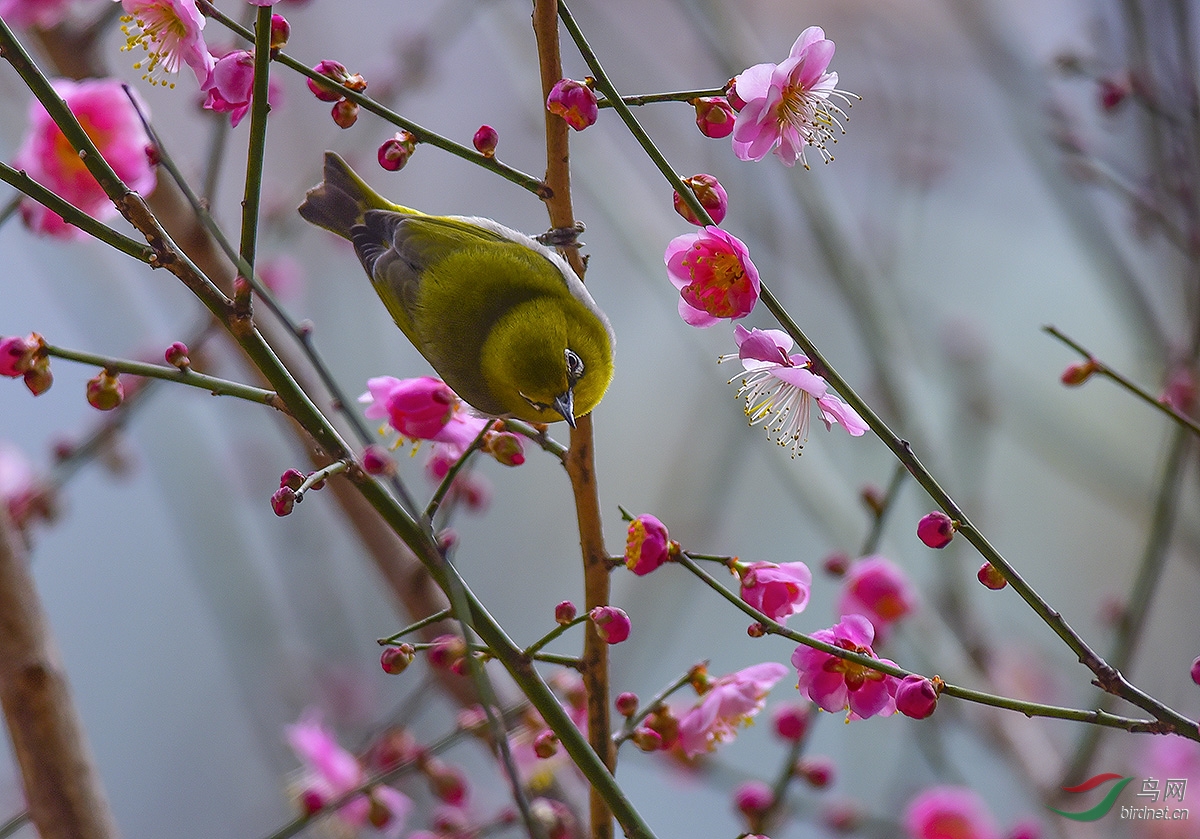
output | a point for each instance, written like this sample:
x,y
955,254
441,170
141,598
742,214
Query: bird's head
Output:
x,y
546,361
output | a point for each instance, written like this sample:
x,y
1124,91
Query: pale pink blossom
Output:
x,y
779,389
876,588
1169,759
110,120
777,591
731,701
838,684
330,772
41,13
171,33
19,485
949,813
230,85
787,106
714,275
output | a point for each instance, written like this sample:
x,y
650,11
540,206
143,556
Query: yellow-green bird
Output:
x,y
501,317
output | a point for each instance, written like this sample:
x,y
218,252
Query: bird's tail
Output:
x,y
341,200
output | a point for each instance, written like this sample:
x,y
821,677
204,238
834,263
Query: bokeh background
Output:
x,y
960,216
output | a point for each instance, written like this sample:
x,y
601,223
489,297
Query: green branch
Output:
x,y
212,384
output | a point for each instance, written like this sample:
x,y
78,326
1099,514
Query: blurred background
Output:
x,y
1011,165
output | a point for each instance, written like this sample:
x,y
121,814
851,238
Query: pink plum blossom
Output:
x,y
838,684
170,32
949,813
780,388
714,275
41,13
423,408
110,120
1169,758
573,101
731,700
787,106
330,772
230,84
776,590
877,589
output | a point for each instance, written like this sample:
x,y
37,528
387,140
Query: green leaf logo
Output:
x,y
1101,809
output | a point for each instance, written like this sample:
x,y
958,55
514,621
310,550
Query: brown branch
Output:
x,y
62,786
580,461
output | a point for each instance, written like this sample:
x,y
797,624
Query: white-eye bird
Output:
x,y
501,317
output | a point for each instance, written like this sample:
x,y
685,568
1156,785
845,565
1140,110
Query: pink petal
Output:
x,y
809,36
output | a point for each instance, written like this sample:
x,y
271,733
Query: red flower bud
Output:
x,y
283,501
936,529
575,102
485,140
991,577
395,660
627,703
611,623
564,612
1079,372
344,113
712,197
395,152
545,745
714,116
916,697
104,391
281,30
177,355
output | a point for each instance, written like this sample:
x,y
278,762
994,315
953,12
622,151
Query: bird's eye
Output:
x,y
574,367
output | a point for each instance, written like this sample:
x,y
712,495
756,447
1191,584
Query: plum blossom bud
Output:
x,y
485,140
564,613
791,722
395,152
936,529
292,478
712,197
627,703
545,745
648,545
376,461
311,801
837,564
714,116
817,771
1079,372
991,577
736,102
445,781
283,501
395,660
505,447
1113,92
446,650
177,355
1195,671
575,102
337,72
38,377
647,739
916,696
104,391
842,817
281,31
17,354
344,113
611,623
753,799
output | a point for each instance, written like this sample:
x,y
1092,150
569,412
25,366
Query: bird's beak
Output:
x,y
564,403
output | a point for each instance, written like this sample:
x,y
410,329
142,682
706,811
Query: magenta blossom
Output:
x,y
776,590
949,813
787,106
330,771
779,389
731,701
423,408
838,684
647,545
877,589
170,32
110,120
714,275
